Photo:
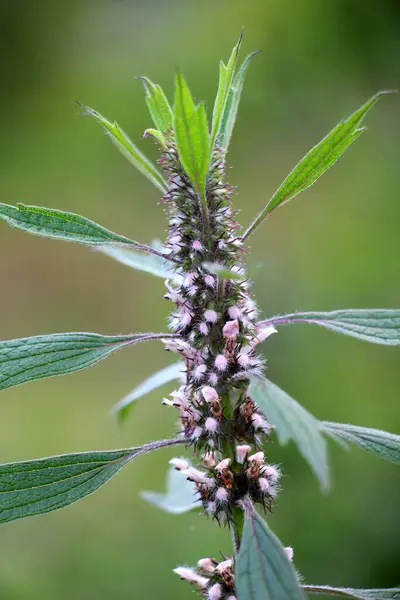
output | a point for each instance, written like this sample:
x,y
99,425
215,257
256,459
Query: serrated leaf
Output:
x,y
179,497
263,571
358,594
35,487
232,104
41,356
158,105
129,150
379,325
191,135
384,444
293,422
226,74
149,263
48,222
148,385
317,161
222,271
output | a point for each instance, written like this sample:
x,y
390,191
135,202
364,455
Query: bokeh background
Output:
x,y
335,246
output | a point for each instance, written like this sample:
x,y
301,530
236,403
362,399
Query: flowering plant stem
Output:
x,y
226,407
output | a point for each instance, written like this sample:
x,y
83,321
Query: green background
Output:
x,y
335,246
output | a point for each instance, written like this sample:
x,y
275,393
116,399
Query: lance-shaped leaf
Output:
x,y
148,385
180,496
379,325
384,444
191,135
263,571
149,263
158,105
232,104
293,422
357,594
48,222
30,358
129,150
35,487
226,73
317,161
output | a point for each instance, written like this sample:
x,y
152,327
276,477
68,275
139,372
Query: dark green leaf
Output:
x,y
180,495
160,110
30,358
38,486
379,325
148,385
317,161
129,150
57,224
263,571
232,104
191,135
384,444
293,422
226,74
368,594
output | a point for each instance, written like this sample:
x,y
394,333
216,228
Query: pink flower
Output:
x,y
211,425
209,280
234,312
197,245
203,328
210,394
221,362
231,329
211,315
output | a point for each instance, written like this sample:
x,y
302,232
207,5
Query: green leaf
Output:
x,y
38,486
379,325
293,422
226,74
363,594
317,161
232,104
156,135
222,271
148,385
179,497
149,263
129,150
384,444
263,571
191,135
48,222
30,358
158,105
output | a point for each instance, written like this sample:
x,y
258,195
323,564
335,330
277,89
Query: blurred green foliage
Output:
x,y
336,246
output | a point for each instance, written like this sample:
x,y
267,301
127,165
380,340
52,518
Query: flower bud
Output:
x,y
242,453
211,315
210,394
221,362
191,576
289,552
207,565
215,592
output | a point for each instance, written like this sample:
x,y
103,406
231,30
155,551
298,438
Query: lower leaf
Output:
x,y
39,486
